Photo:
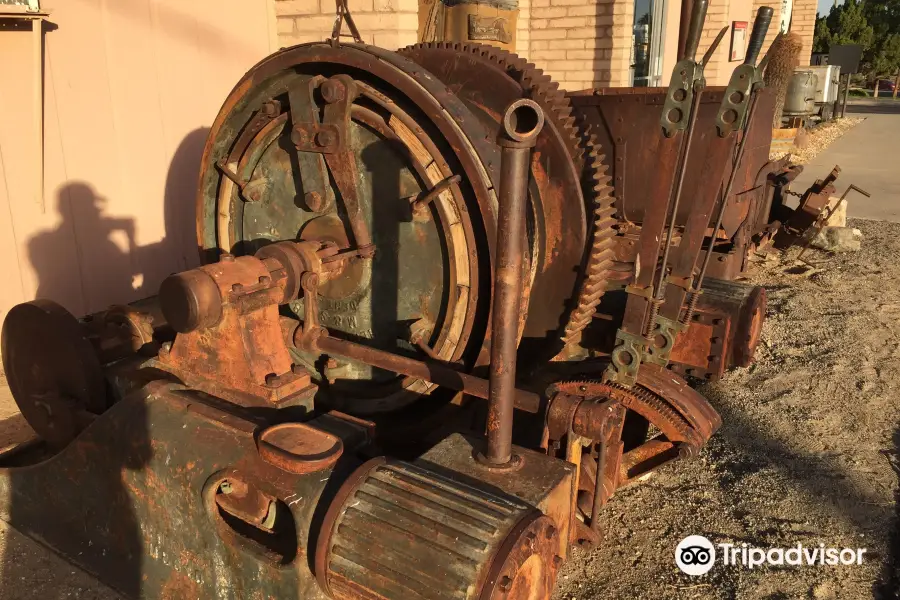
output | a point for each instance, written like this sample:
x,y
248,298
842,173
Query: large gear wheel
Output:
x,y
487,79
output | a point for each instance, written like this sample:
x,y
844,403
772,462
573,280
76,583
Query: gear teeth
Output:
x,y
597,192
673,424
538,85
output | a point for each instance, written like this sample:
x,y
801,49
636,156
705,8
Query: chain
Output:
x,y
790,193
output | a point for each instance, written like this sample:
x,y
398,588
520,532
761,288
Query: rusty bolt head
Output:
x,y
265,280
314,201
325,138
227,257
271,108
272,379
551,532
226,487
505,583
333,91
237,288
297,369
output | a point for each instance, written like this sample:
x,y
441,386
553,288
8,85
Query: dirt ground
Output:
x,y
808,450
807,453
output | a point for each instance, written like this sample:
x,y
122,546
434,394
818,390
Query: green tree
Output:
x,y
822,35
848,24
883,57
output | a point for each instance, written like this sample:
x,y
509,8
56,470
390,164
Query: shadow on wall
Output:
x,y
100,527
91,259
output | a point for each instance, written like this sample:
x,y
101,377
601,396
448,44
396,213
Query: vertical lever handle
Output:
x,y
698,18
758,35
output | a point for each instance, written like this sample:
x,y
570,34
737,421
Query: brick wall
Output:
x,y
803,22
581,43
387,23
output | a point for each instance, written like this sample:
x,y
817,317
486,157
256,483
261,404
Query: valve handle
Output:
x,y
758,35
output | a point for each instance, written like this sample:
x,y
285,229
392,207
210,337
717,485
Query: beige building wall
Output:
x,y
390,24
582,44
129,90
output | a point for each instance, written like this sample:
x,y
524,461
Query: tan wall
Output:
x,y
582,44
390,24
803,22
129,89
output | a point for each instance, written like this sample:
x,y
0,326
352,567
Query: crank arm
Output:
x,y
305,130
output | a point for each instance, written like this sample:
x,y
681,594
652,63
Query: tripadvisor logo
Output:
x,y
696,555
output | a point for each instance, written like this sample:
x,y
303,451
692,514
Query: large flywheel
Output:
x,y
385,158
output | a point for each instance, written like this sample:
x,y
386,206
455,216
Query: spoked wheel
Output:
x,y
365,150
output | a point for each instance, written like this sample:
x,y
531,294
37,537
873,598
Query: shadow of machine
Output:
x,y
384,381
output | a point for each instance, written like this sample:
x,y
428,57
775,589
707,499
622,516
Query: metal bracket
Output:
x,y
733,109
668,331
311,164
626,358
677,107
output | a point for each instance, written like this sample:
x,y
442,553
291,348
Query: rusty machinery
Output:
x,y
384,381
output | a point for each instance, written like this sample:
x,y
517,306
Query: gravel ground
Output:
x,y
810,142
807,452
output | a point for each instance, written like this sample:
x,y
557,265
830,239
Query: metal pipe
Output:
x,y
598,486
695,28
435,373
522,122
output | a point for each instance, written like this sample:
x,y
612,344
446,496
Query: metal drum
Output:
x,y
800,100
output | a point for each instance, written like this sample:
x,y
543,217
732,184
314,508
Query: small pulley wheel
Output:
x,y
52,369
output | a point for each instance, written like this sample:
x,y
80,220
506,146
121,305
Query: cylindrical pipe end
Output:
x,y
758,35
190,301
523,120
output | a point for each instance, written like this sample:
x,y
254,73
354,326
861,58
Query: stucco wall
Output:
x,y
129,90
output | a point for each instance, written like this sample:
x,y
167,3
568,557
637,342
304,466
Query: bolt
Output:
x,y
300,137
272,379
271,108
314,201
227,257
297,369
333,91
226,488
265,280
551,531
325,138
505,583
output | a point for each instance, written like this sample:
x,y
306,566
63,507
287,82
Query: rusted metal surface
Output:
x,y
795,224
522,122
400,530
159,466
440,374
52,370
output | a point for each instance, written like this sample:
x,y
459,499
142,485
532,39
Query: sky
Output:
x,y
825,6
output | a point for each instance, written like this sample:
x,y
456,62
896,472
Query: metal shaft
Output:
x,y
427,371
521,124
598,486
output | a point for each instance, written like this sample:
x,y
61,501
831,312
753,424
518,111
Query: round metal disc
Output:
x,y
52,370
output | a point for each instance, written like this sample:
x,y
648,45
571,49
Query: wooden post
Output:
x,y
896,84
846,93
